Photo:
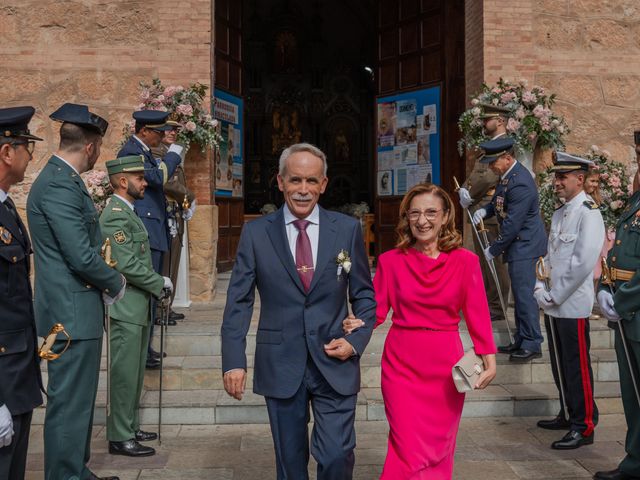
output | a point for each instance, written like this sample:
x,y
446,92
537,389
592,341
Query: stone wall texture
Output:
x,y
94,52
586,51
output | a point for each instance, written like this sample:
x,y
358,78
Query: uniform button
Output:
x,y
626,226
2,349
613,259
618,242
88,286
106,290
15,259
148,214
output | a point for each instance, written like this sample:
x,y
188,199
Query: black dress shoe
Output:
x,y
156,355
572,440
512,347
152,364
558,423
130,448
146,436
176,316
524,355
614,475
93,476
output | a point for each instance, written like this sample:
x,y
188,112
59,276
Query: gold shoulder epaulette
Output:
x,y
591,205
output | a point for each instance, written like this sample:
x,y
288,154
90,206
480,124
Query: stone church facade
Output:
x,y
54,51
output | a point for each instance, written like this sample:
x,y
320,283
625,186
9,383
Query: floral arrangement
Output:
x,y
532,122
343,260
98,186
186,106
615,188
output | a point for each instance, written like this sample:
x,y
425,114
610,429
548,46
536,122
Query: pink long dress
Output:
x,y
422,405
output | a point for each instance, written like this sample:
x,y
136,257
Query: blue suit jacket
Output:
x,y
294,325
515,202
152,209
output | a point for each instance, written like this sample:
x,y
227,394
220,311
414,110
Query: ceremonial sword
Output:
x,y
105,252
492,267
165,304
542,274
606,279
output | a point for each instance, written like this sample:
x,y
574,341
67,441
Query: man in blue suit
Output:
x,y
152,209
308,265
522,240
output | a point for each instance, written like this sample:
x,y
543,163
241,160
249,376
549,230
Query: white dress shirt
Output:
x,y
124,200
313,231
3,195
71,166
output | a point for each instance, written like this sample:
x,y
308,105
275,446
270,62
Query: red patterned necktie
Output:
x,y
304,256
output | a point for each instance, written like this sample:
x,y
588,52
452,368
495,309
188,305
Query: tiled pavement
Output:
x,y
488,448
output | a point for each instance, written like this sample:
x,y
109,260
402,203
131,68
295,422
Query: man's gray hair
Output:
x,y
301,147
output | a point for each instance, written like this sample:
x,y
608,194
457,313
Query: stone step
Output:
x,y
208,407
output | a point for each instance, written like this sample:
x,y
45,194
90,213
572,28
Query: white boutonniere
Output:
x,y
344,262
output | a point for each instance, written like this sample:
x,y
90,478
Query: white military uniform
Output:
x,y
575,242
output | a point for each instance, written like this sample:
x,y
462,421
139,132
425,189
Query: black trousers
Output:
x,y
573,344
13,458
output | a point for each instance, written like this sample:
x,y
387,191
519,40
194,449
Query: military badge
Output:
x,y
500,206
119,237
5,236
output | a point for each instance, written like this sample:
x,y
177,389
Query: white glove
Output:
x,y
176,148
479,215
605,300
6,427
465,198
109,300
487,254
168,283
543,298
188,213
173,227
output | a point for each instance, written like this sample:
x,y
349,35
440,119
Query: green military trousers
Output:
x,y
72,388
631,463
128,358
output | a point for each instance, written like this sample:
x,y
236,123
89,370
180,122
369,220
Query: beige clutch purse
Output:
x,y
467,371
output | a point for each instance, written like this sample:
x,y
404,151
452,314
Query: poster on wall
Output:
x,y
408,140
227,109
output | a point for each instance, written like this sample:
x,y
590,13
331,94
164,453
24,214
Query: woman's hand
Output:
x,y
351,323
489,372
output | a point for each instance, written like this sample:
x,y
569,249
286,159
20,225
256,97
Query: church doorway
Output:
x,y
311,70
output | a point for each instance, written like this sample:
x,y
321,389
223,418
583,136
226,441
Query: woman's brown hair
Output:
x,y
448,238
596,193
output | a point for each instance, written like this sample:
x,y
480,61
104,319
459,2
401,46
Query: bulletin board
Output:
x,y
408,140
227,109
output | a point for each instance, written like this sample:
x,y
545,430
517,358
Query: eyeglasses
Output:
x,y
414,215
29,146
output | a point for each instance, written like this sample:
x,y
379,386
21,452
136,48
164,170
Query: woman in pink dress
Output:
x,y
427,280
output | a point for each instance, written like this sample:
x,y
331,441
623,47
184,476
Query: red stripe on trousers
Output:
x,y
586,379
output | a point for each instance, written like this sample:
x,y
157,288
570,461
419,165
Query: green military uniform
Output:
x,y
481,185
624,260
130,320
70,278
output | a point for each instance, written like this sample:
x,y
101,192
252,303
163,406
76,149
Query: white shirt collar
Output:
x,y
508,171
124,200
499,135
3,195
314,216
579,199
72,167
144,145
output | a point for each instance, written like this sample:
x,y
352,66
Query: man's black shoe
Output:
x,y
614,475
93,476
152,364
176,316
155,355
145,436
130,448
512,347
524,355
572,440
558,423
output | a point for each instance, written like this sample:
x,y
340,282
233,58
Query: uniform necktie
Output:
x,y
304,256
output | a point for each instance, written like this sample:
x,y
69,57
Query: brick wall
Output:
x,y
586,51
84,51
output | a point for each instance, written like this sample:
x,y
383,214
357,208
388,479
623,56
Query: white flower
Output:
x,y
346,265
475,111
341,256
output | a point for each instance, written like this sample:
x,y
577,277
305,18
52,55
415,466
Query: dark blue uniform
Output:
x,y
522,241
